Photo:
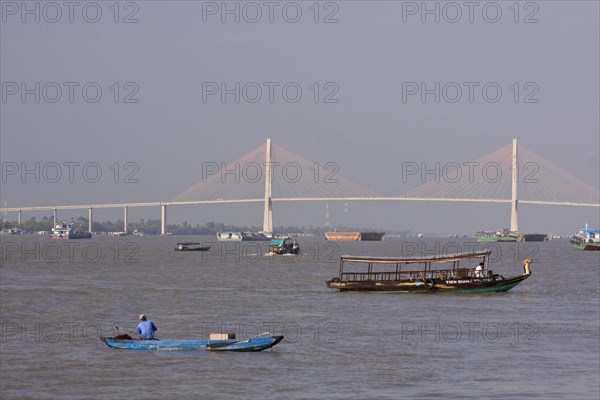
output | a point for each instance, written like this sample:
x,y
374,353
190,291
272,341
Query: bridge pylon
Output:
x,y
268,213
514,224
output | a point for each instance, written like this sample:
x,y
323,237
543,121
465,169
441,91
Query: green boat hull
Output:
x,y
460,291
504,288
585,246
466,285
495,238
481,238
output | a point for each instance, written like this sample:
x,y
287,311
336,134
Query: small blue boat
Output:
x,y
254,344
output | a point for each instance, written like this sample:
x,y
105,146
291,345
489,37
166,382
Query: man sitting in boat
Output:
x,y
295,247
146,328
479,271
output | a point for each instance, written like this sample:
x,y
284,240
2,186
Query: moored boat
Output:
x,y
375,236
65,230
586,239
254,344
532,237
9,231
448,273
499,236
191,246
231,236
354,236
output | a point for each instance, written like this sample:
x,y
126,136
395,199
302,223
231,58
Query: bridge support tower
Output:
x,y
514,225
163,219
268,213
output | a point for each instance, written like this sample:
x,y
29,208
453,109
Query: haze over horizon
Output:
x,y
146,93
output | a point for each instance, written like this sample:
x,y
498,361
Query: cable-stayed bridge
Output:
x,y
271,173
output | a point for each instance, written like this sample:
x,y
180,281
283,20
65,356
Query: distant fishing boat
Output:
x,y
447,273
354,236
586,239
191,246
224,343
284,245
65,230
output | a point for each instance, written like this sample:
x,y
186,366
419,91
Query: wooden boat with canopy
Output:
x,y
461,272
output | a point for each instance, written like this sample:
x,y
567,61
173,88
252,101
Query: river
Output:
x,y
538,341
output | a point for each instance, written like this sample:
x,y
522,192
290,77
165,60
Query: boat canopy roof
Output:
x,y
589,230
417,259
279,241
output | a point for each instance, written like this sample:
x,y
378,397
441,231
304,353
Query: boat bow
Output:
x,y
526,268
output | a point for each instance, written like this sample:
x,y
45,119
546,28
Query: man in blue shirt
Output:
x,y
146,328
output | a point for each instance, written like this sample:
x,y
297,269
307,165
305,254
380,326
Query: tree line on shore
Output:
x,y
152,227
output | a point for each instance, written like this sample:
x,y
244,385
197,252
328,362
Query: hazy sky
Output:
x,y
161,113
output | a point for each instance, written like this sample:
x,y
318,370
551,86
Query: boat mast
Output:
x,y
514,226
268,214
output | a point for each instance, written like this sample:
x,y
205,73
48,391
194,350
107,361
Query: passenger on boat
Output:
x,y
479,271
146,328
295,247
